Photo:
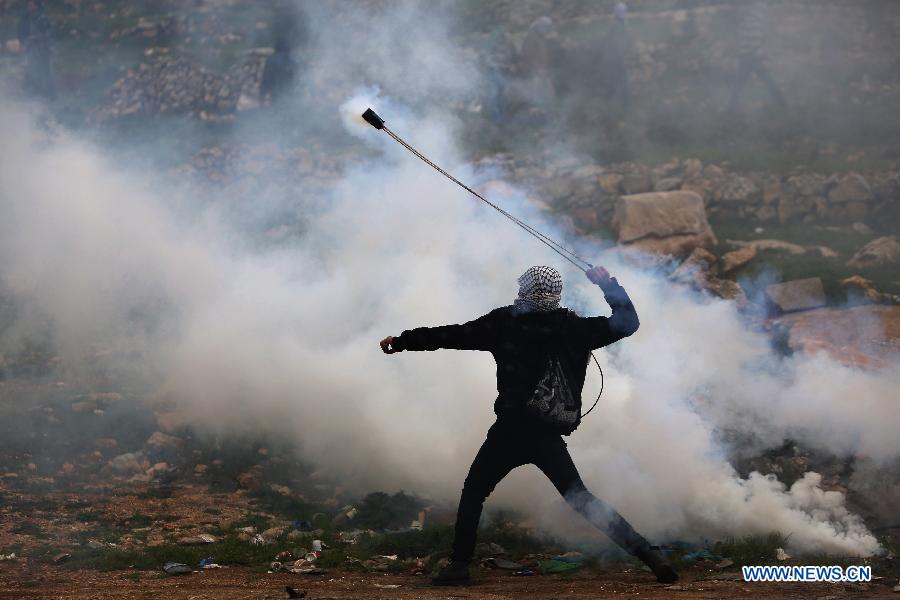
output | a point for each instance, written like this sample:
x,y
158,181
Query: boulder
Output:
x,y
163,441
698,272
736,259
850,188
881,251
672,223
696,266
667,184
859,286
862,336
610,183
800,294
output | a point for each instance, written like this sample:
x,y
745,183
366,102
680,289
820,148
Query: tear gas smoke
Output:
x,y
284,338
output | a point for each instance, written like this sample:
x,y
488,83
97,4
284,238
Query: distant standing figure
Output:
x,y
34,36
278,75
618,43
751,51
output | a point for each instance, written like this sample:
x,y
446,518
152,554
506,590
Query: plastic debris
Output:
x,y
704,554
387,586
571,557
176,568
62,557
197,540
557,566
294,592
10,556
258,540
284,555
524,573
307,570
495,562
780,554
209,563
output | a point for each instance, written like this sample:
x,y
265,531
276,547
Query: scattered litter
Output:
x,y
352,537
557,566
317,546
294,592
96,545
495,562
251,530
310,570
197,540
570,557
489,549
62,557
524,573
10,556
209,563
387,586
780,554
676,588
258,540
175,568
418,568
284,555
897,588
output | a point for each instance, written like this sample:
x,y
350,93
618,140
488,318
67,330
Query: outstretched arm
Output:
x,y
474,335
602,331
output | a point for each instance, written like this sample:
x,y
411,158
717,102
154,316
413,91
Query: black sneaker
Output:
x,y
658,564
455,573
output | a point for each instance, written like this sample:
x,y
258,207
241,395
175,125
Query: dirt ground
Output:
x,y
20,579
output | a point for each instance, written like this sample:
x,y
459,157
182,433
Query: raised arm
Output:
x,y
602,331
474,335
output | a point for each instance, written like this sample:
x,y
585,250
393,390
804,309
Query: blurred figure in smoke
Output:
x,y
751,52
542,351
34,36
617,46
535,58
279,72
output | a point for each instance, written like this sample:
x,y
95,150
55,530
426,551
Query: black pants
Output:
x,y
510,445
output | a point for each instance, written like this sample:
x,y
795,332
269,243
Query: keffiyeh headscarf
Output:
x,y
540,289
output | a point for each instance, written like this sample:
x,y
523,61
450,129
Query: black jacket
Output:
x,y
522,342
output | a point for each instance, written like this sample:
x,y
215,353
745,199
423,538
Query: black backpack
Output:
x,y
552,402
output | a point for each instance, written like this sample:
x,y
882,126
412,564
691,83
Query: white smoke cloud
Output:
x,y
286,339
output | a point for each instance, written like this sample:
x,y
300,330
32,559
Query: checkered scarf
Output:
x,y
539,290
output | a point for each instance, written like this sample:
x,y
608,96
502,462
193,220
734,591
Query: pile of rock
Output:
x,y
589,192
174,84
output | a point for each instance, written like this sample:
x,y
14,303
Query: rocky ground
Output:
x,y
101,485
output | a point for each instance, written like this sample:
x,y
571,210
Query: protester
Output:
x,y
542,351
